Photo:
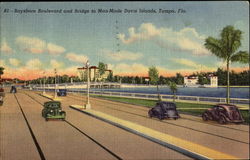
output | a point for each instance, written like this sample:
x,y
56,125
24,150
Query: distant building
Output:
x,y
213,80
193,81
190,80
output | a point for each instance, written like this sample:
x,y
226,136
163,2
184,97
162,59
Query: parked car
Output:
x,y
2,95
223,113
13,89
62,92
53,110
164,110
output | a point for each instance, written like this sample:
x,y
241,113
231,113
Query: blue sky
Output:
x,y
32,43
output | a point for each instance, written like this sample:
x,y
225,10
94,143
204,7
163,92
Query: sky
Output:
x,y
34,42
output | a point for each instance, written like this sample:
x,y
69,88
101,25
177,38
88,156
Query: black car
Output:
x,y
223,113
13,89
53,110
62,92
164,110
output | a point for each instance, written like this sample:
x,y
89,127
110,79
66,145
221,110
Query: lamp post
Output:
x,y
88,106
44,83
55,96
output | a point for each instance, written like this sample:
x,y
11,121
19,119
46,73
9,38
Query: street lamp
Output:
x,y
44,83
55,96
88,106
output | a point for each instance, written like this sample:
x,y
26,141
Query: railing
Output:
x,y
179,98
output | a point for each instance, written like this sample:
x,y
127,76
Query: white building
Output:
x,y
190,80
213,81
193,81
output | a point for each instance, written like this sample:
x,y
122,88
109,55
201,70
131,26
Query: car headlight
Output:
x,y
51,110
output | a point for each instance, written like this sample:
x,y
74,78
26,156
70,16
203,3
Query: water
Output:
x,y
236,92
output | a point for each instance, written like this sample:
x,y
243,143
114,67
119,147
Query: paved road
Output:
x,y
15,139
229,139
59,140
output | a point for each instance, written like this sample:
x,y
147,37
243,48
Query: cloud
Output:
x,y
34,64
186,62
55,49
2,63
124,68
76,57
37,46
145,32
5,48
31,44
122,55
193,65
72,71
135,69
56,64
14,62
187,39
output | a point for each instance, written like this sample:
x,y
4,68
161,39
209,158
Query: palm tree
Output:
x,y
154,78
225,48
1,71
173,88
102,69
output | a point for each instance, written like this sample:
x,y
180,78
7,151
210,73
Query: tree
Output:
x,y
173,88
179,79
225,48
221,74
1,71
202,79
102,69
110,77
153,75
154,78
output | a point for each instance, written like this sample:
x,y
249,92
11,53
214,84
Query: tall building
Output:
x,y
94,73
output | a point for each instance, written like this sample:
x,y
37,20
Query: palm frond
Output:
x,y
241,56
236,40
231,39
214,46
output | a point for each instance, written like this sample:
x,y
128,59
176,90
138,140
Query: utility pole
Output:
x,y
44,78
55,96
88,106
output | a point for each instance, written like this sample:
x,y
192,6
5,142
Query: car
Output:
x,y
62,92
2,95
13,89
223,113
53,110
164,110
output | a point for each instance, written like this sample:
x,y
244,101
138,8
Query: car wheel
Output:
x,y
204,117
160,117
222,120
150,114
175,118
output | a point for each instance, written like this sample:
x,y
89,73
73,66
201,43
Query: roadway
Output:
x,y
84,137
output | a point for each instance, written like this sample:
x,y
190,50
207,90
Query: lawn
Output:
x,y
189,108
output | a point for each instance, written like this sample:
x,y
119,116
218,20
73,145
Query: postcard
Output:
x,y
124,80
